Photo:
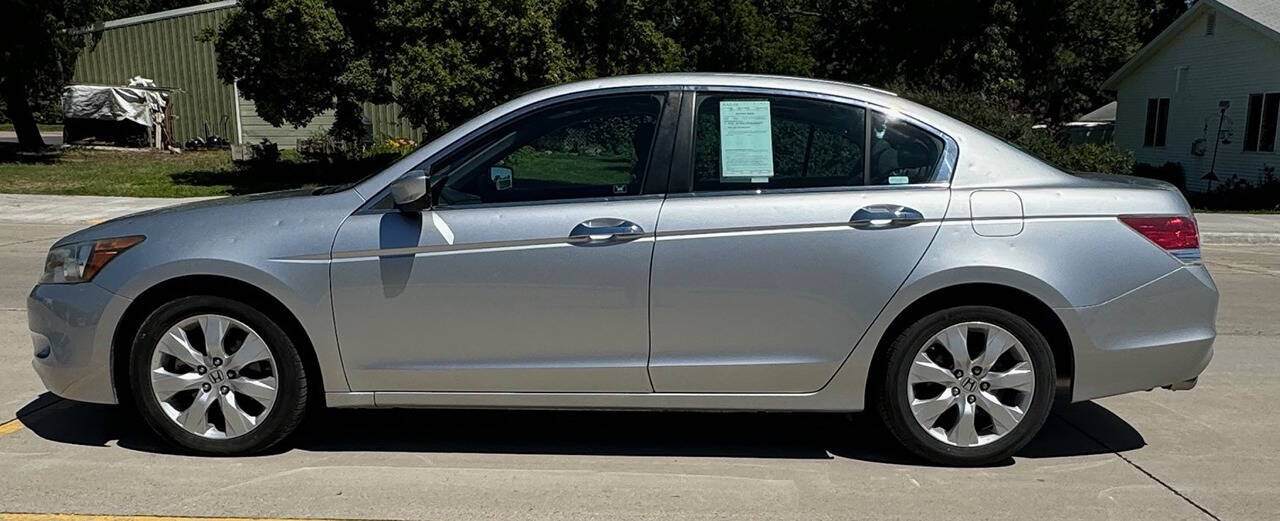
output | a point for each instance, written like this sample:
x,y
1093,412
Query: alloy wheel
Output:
x,y
214,376
970,384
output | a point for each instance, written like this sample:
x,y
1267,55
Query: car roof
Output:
x,y
697,80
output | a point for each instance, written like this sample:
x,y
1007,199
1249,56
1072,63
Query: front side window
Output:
x,y
1260,126
588,149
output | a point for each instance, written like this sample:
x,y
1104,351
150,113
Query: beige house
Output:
x,y
1206,93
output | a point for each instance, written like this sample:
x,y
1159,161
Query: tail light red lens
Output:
x,y
1171,232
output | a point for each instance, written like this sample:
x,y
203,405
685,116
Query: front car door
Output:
x,y
801,216
531,273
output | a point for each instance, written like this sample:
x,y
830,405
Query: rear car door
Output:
x,y
800,217
531,274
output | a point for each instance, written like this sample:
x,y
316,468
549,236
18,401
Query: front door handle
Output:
x,y
603,231
884,216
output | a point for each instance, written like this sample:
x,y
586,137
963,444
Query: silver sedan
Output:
x,y
693,241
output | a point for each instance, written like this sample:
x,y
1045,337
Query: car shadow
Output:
x,y
1074,430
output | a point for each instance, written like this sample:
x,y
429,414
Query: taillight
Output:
x,y
1177,234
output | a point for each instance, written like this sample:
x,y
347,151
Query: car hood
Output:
x,y
242,212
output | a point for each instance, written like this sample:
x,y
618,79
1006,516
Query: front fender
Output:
x,y
301,287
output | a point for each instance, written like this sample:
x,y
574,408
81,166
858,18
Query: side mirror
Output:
x,y
412,193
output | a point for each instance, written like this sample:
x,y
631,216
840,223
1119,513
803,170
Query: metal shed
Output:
x,y
163,46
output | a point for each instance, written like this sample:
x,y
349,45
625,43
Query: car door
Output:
x,y
530,273
800,219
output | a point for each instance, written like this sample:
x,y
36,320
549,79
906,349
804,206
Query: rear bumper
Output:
x,y
72,326
1160,334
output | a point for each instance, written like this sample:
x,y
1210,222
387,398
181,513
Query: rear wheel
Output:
x,y
216,376
967,386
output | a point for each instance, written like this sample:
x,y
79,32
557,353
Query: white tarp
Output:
x,y
113,103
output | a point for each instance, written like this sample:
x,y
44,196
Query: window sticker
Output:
x,y
899,180
501,177
746,141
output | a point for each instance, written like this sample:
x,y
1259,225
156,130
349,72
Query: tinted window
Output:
x,y
1157,122
743,142
594,148
902,153
1260,127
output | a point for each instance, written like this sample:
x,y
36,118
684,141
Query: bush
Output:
x,y
1236,194
1168,172
1004,120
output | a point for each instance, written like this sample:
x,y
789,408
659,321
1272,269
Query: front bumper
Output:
x,y
1160,334
72,326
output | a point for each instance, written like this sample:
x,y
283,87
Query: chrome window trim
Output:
x,y
809,190
446,208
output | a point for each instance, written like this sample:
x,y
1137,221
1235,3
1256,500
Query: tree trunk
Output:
x,y
19,112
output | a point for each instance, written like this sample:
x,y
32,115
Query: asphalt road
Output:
x,y
1212,452
50,138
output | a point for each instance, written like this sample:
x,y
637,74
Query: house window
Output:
x,y
1260,126
1210,24
1157,122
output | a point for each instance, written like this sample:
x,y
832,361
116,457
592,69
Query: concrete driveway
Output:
x,y
1209,453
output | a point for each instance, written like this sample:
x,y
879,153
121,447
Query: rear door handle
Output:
x,y
604,231
884,216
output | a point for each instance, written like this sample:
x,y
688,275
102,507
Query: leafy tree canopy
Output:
x,y
443,61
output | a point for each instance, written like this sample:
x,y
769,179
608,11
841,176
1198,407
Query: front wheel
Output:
x,y
215,376
967,386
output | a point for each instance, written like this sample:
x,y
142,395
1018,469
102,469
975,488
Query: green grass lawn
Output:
x,y
152,174
565,167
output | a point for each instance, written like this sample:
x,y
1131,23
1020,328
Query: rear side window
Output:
x,y
902,153
747,142
744,142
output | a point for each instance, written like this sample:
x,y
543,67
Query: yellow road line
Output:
x,y
10,427
93,517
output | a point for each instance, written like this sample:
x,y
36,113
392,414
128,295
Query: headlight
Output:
x,y
79,262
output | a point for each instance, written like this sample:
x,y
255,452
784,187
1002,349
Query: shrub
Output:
x,y
1003,119
1169,172
1088,157
1236,194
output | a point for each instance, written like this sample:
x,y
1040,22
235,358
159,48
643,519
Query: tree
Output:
x,y
443,61
37,58
1156,15
38,53
1045,58
1069,48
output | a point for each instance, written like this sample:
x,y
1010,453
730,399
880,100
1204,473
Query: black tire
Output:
x,y
891,395
291,399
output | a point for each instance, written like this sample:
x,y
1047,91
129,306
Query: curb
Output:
x,y
1239,238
